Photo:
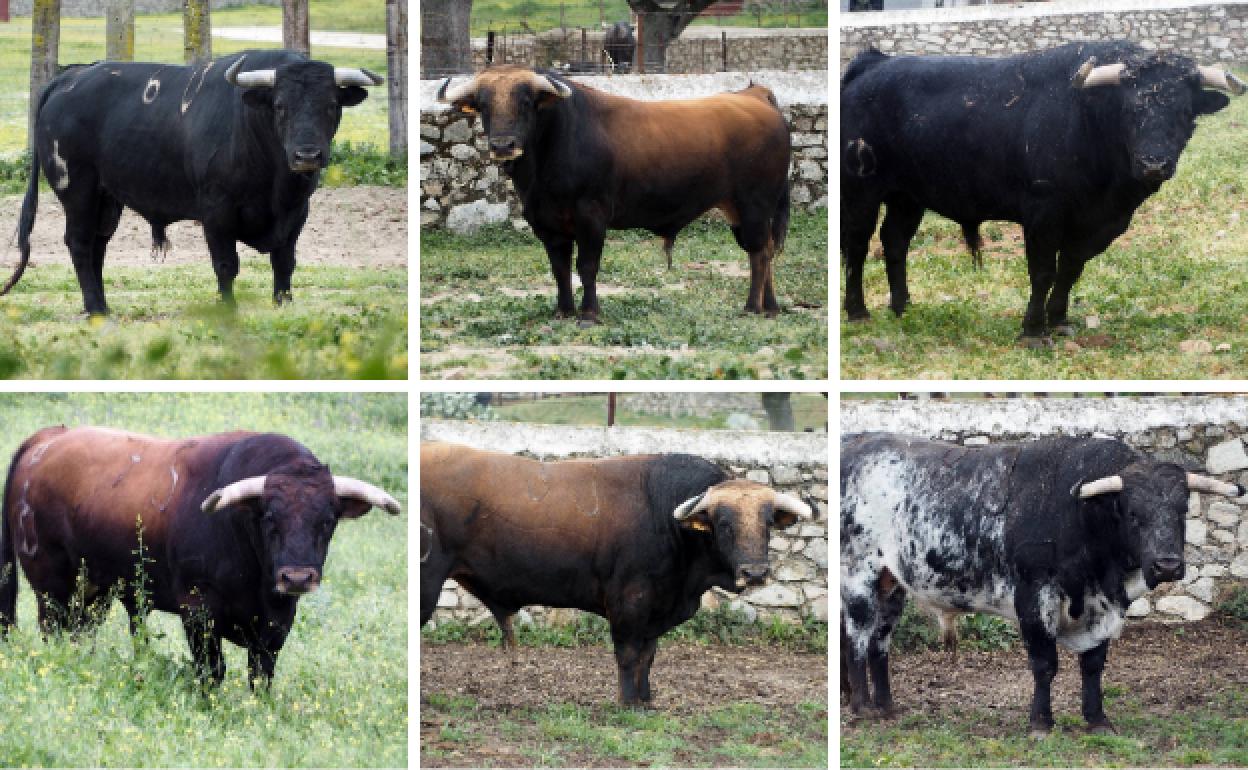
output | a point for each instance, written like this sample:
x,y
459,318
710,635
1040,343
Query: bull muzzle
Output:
x,y
307,158
296,581
752,574
505,148
1167,569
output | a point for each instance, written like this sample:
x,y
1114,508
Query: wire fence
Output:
x,y
584,39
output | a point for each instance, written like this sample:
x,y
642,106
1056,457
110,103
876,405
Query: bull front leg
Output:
x,y
559,252
629,655
224,252
588,257
1035,616
205,644
1091,666
1042,270
857,629
890,611
282,260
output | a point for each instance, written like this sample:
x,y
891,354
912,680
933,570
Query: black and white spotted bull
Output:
x,y
237,144
1059,535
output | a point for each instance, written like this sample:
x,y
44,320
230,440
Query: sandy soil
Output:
x,y
1166,670
347,226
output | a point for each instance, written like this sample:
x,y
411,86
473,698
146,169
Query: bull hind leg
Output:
x,y
901,222
754,237
86,208
859,213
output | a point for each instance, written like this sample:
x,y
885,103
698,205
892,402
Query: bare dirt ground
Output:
x,y
346,227
1167,669
685,678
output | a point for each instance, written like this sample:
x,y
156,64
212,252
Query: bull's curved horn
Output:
x,y
355,489
1205,484
551,85
461,91
352,76
1100,487
690,507
1090,75
232,493
1213,77
253,79
786,502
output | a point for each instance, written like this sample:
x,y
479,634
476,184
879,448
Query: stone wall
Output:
x,y
694,52
461,188
792,462
97,7
1209,32
1196,432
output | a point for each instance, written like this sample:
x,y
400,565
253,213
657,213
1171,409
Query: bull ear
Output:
x,y
350,96
357,498
789,510
1209,102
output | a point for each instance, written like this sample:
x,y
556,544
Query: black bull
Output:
x,y
1060,535
237,144
1067,142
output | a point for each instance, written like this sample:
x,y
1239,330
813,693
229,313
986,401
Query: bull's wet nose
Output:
x,y
1156,170
298,580
1168,568
309,156
503,145
755,573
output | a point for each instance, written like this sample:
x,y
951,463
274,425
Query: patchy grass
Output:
x,y
1177,274
345,323
542,15
487,308
339,696
158,37
1213,734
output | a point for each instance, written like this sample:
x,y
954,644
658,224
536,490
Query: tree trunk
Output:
x,y
196,31
779,407
119,31
295,26
396,72
45,43
659,26
445,48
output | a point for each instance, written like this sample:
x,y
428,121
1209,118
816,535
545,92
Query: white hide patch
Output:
x,y
1101,620
62,169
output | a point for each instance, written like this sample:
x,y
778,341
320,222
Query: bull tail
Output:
x,y
26,221
780,220
8,554
970,232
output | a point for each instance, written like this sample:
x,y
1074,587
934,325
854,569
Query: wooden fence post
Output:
x,y
396,66
196,31
119,31
45,41
295,34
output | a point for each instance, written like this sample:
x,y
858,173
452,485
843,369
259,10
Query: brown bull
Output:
x,y
234,528
637,539
584,161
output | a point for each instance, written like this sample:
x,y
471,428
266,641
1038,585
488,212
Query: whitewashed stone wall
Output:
x,y
1209,32
461,188
692,52
1196,432
792,462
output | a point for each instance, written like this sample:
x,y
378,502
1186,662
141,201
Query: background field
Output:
x,y
727,694
349,319
339,696
546,14
1178,696
1177,274
487,308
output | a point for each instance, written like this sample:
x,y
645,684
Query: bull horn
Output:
x,y
1205,484
253,79
1212,77
556,87
693,505
233,493
1090,75
1100,487
461,91
362,490
352,76
789,503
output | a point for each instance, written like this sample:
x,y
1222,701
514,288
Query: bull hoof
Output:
x,y
563,315
1042,342
858,315
1064,329
282,297
1102,728
899,310
587,322
1039,733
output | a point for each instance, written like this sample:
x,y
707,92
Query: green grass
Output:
x,y
1177,274
1210,734
722,626
500,15
158,37
736,735
339,696
488,298
345,323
